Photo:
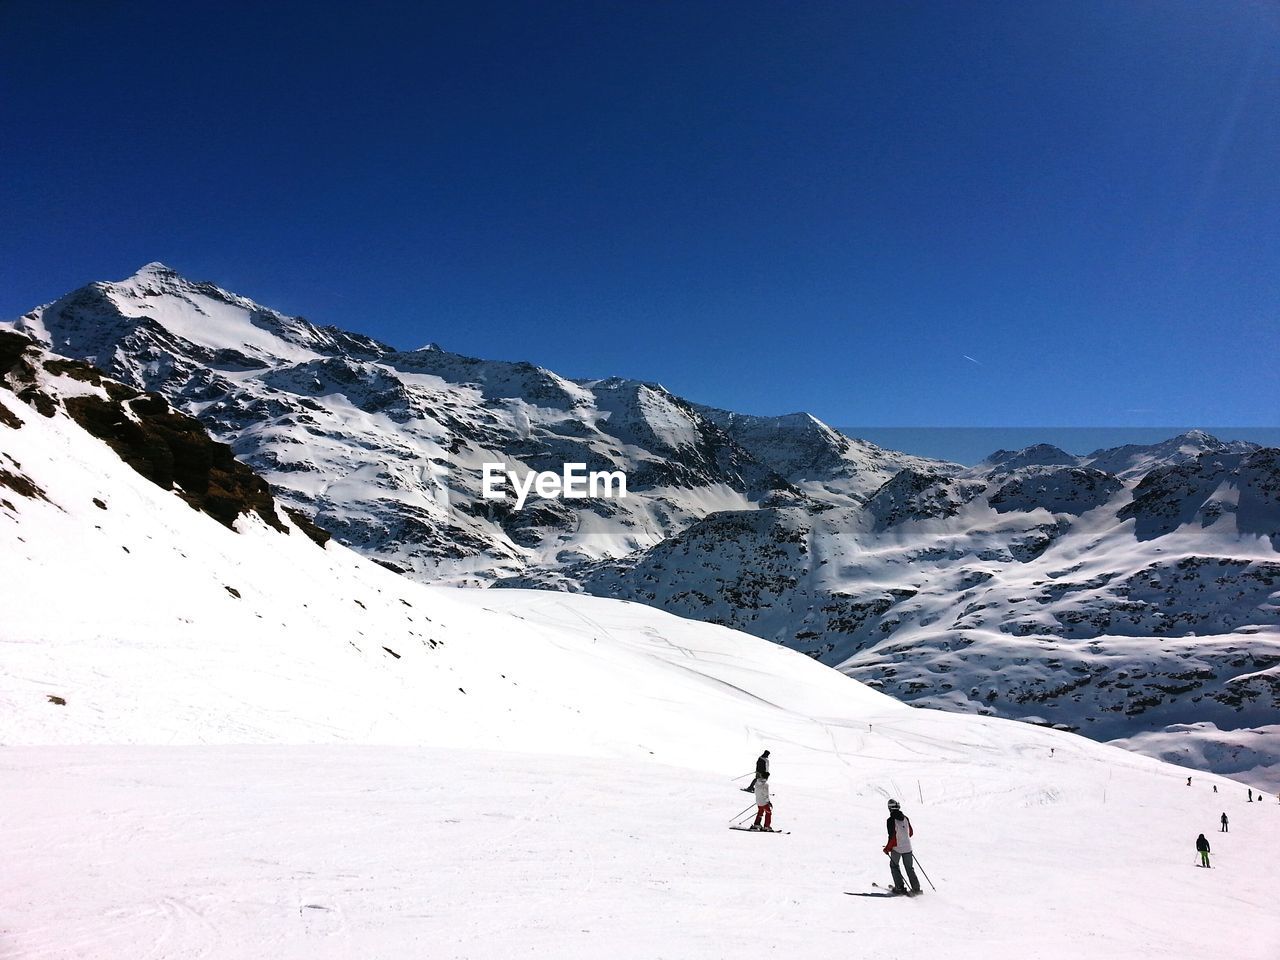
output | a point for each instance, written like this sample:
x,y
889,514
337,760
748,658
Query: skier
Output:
x,y
1224,822
1188,781
1203,846
1251,795
1215,788
899,848
762,769
764,808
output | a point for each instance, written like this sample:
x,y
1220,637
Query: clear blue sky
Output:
x,y
765,206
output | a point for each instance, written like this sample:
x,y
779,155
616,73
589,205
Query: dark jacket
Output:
x,y
762,765
1202,844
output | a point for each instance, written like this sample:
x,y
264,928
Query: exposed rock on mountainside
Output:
x,y
170,449
912,495
1202,490
1073,490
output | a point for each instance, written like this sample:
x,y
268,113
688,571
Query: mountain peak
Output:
x,y
1037,455
154,269
1199,437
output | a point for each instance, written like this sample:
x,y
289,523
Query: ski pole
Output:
x,y
926,876
738,816
747,774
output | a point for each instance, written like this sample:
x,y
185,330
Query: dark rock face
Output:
x,y
12,347
1258,506
1073,490
14,479
1206,487
913,495
173,450
169,448
307,525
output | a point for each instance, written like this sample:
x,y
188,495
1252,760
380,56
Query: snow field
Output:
x,y
350,851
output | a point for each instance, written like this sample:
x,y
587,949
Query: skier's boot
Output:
x,y
754,826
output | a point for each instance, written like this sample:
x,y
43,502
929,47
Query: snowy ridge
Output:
x,y
230,740
385,448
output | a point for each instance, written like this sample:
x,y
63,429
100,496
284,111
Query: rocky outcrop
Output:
x,y
912,495
1204,488
1071,490
169,448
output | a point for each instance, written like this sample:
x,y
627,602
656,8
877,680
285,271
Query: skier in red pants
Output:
x,y
763,807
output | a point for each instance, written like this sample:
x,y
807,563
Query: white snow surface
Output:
x,y
526,775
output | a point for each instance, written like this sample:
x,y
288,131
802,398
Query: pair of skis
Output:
x,y
881,891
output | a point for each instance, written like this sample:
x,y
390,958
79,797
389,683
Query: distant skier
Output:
x,y
899,848
1251,795
1188,781
1215,788
1203,846
1224,822
762,769
764,808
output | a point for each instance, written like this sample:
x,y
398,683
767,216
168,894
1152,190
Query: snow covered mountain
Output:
x,y
386,447
1129,593
225,735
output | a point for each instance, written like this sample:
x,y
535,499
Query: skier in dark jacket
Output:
x,y
899,848
1203,846
762,770
1224,821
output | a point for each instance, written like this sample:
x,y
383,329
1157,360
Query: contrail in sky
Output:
x,y
970,359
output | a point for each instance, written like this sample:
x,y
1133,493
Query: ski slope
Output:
x,y
269,748
345,851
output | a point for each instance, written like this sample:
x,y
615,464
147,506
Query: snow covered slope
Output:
x,y
222,738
